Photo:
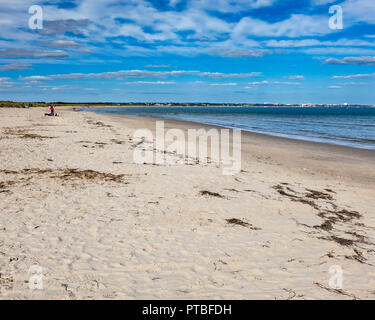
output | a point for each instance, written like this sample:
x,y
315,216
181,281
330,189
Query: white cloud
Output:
x,y
355,76
265,82
317,43
355,84
24,53
334,87
358,11
15,66
296,77
230,84
6,82
218,75
158,66
64,44
36,78
241,53
322,2
231,6
296,26
286,83
150,83
141,74
338,51
367,61
257,83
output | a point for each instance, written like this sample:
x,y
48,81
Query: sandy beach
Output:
x,y
73,202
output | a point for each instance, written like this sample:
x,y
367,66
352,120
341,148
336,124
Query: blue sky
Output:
x,y
250,51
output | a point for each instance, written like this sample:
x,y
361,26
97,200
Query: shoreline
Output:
x,y
349,157
300,138
103,227
367,152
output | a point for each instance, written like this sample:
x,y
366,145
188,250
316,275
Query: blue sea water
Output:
x,y
348,126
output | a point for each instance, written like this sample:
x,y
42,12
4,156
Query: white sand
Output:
x,y
154,236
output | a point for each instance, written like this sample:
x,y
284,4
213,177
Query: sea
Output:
x,y
346,126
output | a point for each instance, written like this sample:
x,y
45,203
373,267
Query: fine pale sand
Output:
x,y
73,201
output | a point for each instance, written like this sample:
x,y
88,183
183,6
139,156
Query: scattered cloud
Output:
x,y
296,26
317,43
24,53
35,78
229,6
348,84
296,77
322,2
265,82
355,84
140,74
367,61
68,44
158,66
257,83
355,76
6,82
15,66
286,83
242,53
150,83
338,51
230,84
60,27
219,75
60,87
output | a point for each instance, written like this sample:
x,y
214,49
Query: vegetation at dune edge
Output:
x,y
11,104
14,104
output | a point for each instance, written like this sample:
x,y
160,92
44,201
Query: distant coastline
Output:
x,y
20,104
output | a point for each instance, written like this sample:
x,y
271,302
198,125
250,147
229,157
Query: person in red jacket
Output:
x,y
51,111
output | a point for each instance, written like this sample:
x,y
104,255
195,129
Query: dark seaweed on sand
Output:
x,y
66,174
211,194
241,223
